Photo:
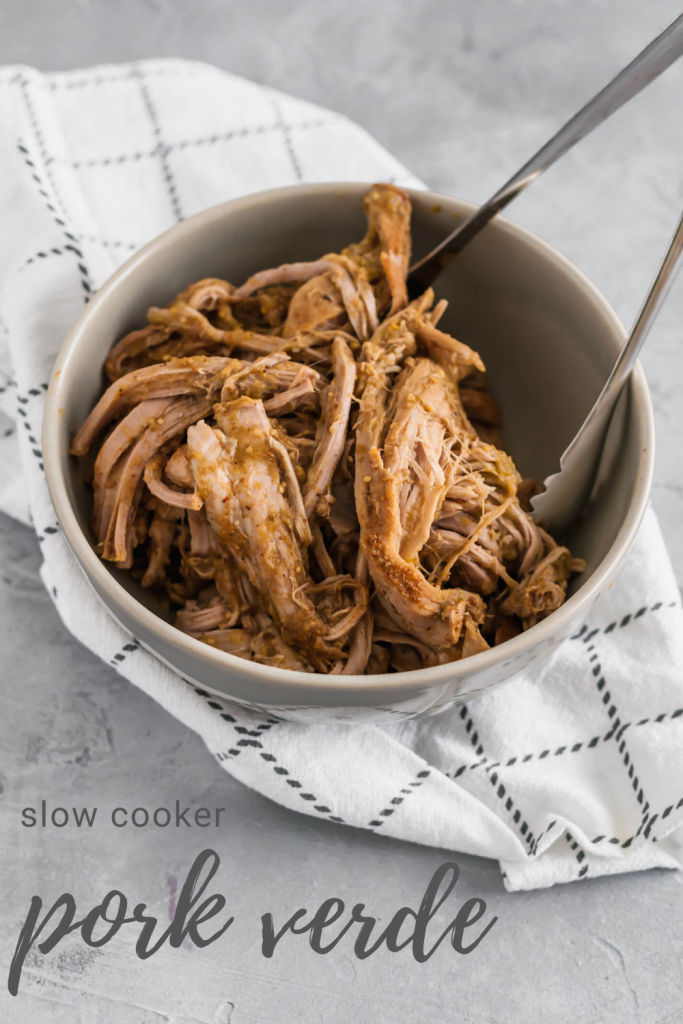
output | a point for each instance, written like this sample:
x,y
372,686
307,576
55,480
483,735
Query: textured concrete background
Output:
x,y
462,93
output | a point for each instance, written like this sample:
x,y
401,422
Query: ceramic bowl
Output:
x,y
548,338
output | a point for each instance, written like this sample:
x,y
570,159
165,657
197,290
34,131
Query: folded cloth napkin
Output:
x,y
570,771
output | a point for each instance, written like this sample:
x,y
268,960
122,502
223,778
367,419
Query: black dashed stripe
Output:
x,y
493,777
40,141
22,402
112,161
84,275
573,749
209,140
289,145
395,801
120,656
161,149
283,773
618,730
245,743
107,244
578,853
644,827
83,83
627,619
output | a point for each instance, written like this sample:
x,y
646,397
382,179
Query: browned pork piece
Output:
x,y
155,421
254,505
484,540
275,374
542,590
327,291
154,471
116,531
331,434
181,331
134,351
387,477
418,463
286,273
317,305
196,375
111,457
177,469
212,295
386,246
205,615
209,294
360,648
188,331
348,284
161,536
419,448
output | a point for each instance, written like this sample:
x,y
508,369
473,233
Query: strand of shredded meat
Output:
x,y
308,468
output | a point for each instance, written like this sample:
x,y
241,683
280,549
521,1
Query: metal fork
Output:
x,y
643,69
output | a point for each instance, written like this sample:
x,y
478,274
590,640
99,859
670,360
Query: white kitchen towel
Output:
x,y
570,771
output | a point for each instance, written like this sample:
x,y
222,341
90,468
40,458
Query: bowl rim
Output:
x,y
92,565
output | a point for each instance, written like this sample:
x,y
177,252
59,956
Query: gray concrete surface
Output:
x,y
462,93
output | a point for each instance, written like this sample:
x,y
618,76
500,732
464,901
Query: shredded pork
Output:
x,y
310,470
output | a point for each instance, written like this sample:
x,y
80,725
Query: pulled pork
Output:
x,y
311,472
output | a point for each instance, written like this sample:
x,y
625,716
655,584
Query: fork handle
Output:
x,y
657,56
649,311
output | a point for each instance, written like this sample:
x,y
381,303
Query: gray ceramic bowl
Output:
x,y
548,338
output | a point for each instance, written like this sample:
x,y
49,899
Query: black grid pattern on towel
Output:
x,y
615,732
66,83
287,137
501,789
48,190
34,399
207,140
568,748
161,150
618,729
39,137
395,802
254,740
24,403
71,239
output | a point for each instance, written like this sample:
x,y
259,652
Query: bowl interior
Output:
x,y
546,335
